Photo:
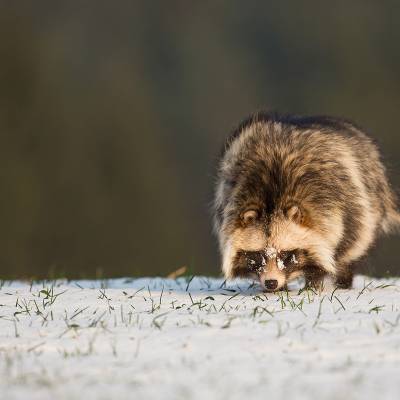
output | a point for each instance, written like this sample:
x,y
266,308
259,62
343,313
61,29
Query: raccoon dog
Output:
x,y
299,196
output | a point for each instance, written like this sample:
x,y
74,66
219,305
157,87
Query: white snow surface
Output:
x,y
198,339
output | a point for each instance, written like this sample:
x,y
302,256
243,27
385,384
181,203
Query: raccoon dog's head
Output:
x,y
272,248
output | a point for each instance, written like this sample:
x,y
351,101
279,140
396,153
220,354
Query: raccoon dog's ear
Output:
x,y
294,213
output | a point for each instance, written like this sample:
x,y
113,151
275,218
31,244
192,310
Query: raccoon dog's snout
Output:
x,y
271,284
264,266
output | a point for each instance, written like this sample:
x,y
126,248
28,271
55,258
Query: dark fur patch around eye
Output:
x,y
287,256
248,262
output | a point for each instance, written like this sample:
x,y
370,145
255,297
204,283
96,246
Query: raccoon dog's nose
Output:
x,y
271,284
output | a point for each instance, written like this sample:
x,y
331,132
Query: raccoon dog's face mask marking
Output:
x,y
273,268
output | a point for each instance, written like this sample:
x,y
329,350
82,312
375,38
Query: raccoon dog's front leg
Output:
x,y
314,277
344,279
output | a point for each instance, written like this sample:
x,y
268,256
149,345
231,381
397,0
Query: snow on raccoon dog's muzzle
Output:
x,y
299,196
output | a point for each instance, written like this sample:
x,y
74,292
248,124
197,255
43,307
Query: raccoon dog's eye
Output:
x,y
250,216
288,257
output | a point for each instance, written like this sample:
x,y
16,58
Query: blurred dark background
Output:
x,y
112,115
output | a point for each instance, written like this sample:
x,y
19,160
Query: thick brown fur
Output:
x,y
314,187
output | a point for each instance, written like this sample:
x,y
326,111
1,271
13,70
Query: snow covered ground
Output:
x,y
198,339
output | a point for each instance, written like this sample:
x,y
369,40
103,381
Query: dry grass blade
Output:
x,y
177,273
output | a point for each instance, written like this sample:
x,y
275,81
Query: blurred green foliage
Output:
x,y
112,115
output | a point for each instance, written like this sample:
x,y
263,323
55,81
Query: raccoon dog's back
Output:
x,y
327,167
